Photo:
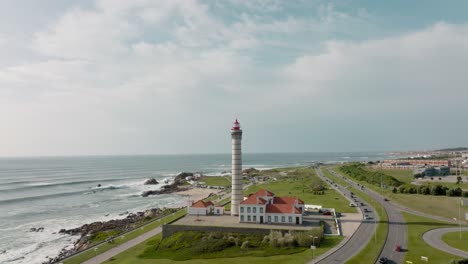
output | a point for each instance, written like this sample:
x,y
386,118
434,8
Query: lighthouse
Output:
x,y
236,168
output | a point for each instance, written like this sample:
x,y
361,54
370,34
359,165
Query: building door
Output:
x,y
261,219
297,220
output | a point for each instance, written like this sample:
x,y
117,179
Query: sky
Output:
x,y
126,77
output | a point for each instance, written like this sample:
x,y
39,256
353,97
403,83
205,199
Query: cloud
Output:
x,y
410,70
145,74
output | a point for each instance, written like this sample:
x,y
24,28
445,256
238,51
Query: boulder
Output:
x,y
151,181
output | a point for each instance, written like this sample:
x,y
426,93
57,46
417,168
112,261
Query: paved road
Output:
x,y
397,230
352,245
121,248
434,238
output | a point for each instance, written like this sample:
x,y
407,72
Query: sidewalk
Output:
x,y
121,248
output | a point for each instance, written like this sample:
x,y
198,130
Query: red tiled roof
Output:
x,y
287,200
282,209
253,200
202,204
263,192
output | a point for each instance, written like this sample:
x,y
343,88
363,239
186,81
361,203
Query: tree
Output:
x,y
459,179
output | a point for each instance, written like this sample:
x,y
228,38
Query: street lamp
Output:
x,y
313,246
459,218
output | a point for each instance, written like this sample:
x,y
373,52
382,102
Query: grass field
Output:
x,y
298,183
453,240
120,240
436,205
405,176
224,181
372,250
132,255
417,225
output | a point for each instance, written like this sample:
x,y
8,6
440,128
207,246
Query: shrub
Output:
x,y
245,245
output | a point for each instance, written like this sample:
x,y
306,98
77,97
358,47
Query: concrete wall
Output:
x,y
169,230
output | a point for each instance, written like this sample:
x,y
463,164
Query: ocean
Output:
x,y
62,192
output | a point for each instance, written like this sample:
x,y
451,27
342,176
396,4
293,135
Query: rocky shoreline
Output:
x,y
105,231
181,178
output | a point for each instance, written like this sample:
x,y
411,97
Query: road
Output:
x,y
434,238
397,230
352,245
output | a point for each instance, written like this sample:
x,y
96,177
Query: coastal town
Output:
x,y
235,131
315,204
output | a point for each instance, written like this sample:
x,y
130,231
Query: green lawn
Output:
x,y
372,250
224,181
453,240
417,225
298,183
444,206
106,246
132,255
405,176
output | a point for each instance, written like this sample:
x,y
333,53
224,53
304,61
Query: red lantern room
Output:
x,y
236,125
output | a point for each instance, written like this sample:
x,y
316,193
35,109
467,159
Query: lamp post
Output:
x,y
313,246
459,218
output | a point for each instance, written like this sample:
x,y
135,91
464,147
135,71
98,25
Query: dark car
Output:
x,y
327,213
383,260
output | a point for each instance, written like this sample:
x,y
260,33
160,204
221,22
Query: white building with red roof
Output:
x,y
264,207
205,208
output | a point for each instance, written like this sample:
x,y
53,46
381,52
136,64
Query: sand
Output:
x,y
195,194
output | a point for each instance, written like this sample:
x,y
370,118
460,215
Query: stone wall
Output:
x,y
169,230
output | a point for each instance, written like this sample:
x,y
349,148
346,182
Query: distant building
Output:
x,y
431,171
264,207
205,208
409,163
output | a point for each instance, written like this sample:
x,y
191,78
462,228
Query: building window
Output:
x,y
242,218
254,210
255,218
248,218
276,219
283,219
261,210
217,211
290,219
248,209
242,209
269,219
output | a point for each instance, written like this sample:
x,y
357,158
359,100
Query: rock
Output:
x,y
88,230
151,181
184,175
34,229
250,171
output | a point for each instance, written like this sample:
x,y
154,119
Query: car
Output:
x,y
327,213
362,204
385,199
366,210
383,260
397,248
366,217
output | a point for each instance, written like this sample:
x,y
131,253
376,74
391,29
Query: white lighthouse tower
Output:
x,y
237,196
